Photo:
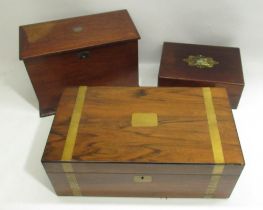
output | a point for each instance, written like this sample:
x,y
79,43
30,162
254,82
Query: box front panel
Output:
x,y
111,65
143,185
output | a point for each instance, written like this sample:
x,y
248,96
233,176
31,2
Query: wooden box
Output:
x,y
199,66
94,50
149,142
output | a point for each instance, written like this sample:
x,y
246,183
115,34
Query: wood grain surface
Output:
x,y
108,152
105,133
122,185
228,73
103,53
76,33
115,65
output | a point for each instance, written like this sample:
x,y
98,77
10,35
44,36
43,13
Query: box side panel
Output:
x,y
111,65
234,90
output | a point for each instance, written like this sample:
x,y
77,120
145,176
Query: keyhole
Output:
x,y
83,54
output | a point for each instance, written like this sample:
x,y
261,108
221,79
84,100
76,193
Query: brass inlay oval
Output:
x,y
77,29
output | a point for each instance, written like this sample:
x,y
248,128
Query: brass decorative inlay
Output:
x,y
71,140
74,124
213,127
201,61
214,181
218,153
144,120
71,178
142,179
77,29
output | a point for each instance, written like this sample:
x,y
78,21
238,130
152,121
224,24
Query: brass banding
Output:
x,y
216,144
74,125
71,141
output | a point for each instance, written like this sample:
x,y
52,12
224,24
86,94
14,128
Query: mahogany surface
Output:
x,y
103,53
76,33
228,73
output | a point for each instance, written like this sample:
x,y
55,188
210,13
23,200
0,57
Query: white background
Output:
x,y
23,182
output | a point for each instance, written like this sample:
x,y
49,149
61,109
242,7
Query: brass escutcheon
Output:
x,y
142,179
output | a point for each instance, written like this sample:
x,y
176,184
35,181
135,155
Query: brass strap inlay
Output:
x,y
213,127
71,178
67,168
74,125
216,144
214,181
71,140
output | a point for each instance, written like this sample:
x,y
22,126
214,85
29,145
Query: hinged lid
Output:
x,y
189,62
151,128
76,33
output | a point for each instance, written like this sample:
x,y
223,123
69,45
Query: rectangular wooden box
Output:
x,y
200,66
94,50
151,142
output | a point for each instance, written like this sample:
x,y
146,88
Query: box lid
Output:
x,y
76,33
201,63
154,126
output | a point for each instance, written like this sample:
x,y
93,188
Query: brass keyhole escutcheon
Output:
x,y
142,179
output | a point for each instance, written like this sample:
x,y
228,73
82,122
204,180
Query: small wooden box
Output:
x,y
94,50
151,142
199,66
